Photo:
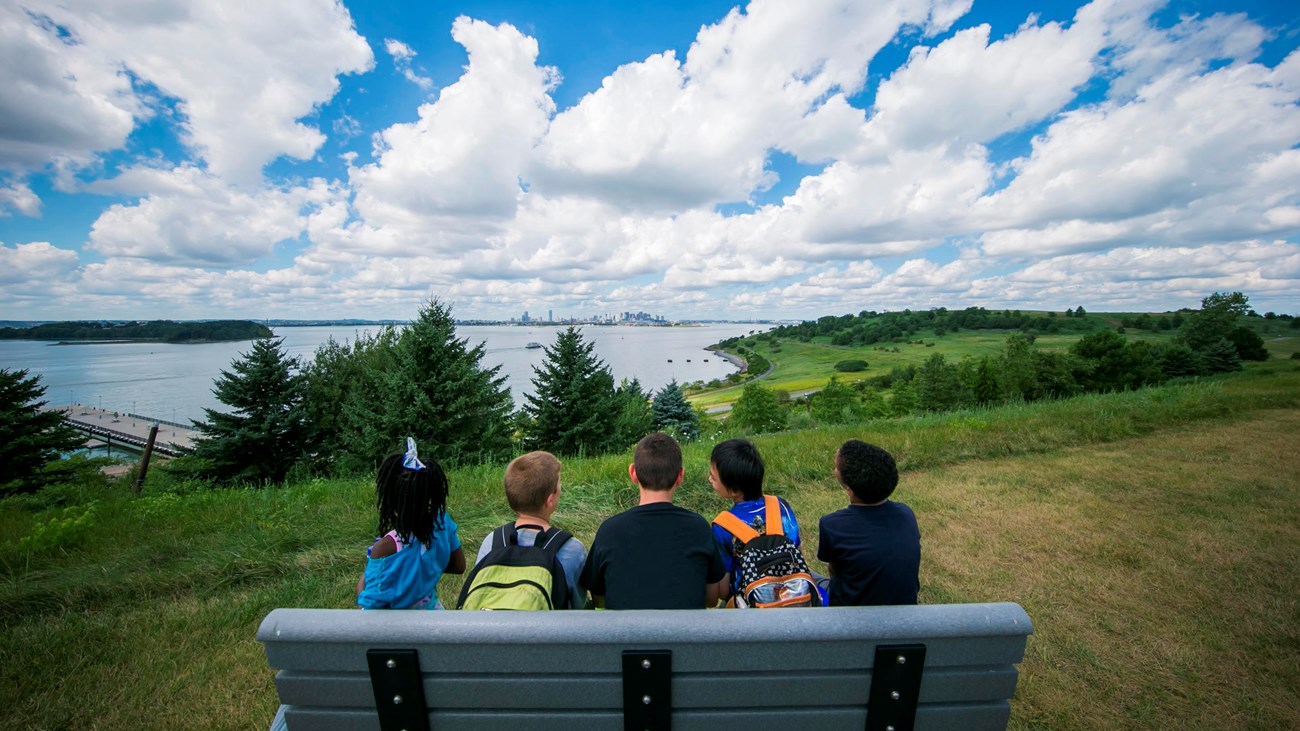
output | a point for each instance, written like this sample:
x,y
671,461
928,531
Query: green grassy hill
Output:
x,y
801,366
1151,535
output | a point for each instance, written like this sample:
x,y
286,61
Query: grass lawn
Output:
x,y
1152,536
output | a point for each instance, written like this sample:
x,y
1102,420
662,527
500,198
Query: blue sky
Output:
x,y
309,158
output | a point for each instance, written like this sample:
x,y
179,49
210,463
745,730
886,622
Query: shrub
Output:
x,y
851,366
65,529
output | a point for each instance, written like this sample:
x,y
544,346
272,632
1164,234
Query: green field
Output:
x,y
1151,535
800,367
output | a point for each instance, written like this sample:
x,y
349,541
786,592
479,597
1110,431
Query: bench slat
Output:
x,y
968,717
689,655
588,691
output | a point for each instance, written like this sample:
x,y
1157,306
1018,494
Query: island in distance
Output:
x,y
159,331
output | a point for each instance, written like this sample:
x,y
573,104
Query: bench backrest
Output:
x,y
796,668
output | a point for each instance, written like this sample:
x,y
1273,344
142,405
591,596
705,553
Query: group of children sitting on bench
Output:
x,y
655,555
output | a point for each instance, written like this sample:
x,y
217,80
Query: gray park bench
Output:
x,y
925,667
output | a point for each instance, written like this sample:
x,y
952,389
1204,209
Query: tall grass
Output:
x,y
1151,535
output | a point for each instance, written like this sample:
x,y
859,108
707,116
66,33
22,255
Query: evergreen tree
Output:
x,y
635,417
903,401
337,374
873,404
938,387
757,411
1220,356
673,414
267,431
573,408
31,439
430,385
1017,375
986,389
1177,360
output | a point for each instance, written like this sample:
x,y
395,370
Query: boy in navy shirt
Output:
x,y
872,547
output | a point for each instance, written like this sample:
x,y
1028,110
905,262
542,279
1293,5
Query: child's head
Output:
x,y
735,467
657,462
530,480
866,470
411,501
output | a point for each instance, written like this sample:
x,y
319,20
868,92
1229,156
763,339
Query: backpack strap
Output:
x,y
772,520
551,541
735,526
506,536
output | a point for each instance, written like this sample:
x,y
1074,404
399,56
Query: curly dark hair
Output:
x,y
867,470
411,502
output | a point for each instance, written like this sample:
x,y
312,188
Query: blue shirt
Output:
x,y
754,514
407,579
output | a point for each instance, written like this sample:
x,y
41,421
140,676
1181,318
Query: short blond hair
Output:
x,y
530,479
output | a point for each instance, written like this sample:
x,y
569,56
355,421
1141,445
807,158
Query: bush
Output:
x,y
851,366
67,529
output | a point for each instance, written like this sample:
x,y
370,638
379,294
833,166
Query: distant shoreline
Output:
x,y
153,331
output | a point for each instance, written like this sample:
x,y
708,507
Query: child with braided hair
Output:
x,y
419,542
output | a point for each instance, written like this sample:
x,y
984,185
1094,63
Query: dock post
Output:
x,y
144,459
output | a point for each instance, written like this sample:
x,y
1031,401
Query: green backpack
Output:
x,y
512,576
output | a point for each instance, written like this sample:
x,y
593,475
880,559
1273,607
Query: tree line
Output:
x,y
1210,340
869,327
162,331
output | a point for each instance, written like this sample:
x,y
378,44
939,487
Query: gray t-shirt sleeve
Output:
x,y
484,548
572,556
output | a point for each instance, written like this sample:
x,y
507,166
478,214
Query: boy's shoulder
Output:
x,y
652,514
890,510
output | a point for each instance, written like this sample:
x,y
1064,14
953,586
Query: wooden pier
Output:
x,y
116,427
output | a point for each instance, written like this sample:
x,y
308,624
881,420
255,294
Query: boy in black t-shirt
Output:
x,y
655,555
872,547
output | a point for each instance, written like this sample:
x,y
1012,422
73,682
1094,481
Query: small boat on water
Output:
x,y
533,346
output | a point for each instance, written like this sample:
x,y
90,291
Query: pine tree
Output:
x,y
573,408
673,414
757,411
430,385
31,439
938,387
635,416
903,401
1015,371
267,430
339,374
1220,356
986,388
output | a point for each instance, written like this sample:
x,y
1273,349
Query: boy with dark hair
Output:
x,y
532,485
736,473
655,555
872,547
